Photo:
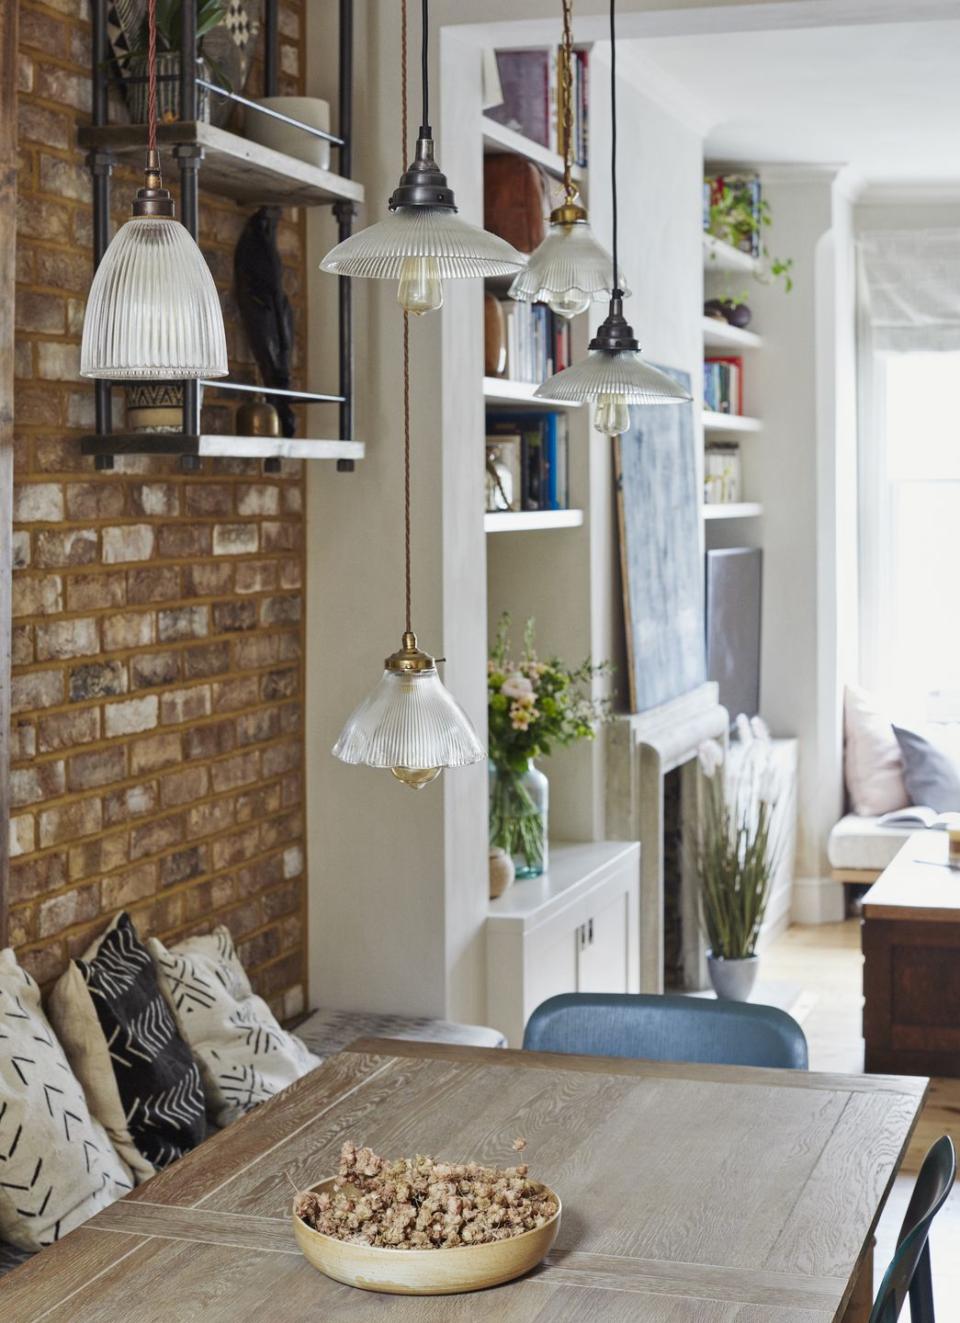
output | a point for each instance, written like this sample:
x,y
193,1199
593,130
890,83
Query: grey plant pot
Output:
x,y
733,980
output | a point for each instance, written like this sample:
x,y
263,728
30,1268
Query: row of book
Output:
x,y
536,342
722,473
526,462
723,385
533,97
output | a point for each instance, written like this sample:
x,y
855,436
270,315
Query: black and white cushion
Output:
x,y
117,1030
244,1055
57,1166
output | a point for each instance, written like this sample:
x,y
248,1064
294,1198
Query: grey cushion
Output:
x,y
11,1257
857,842
931,770
327,1032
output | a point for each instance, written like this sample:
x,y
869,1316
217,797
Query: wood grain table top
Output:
x,y
918,884
692,1194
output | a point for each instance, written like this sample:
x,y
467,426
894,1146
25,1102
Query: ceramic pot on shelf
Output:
x,y
733,980
502,871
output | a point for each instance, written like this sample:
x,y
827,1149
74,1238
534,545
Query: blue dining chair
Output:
x,y
667,1028
909,1272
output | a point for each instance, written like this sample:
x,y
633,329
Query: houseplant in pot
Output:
x,y
534,707
737,856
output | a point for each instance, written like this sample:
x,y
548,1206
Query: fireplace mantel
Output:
x,y
642,747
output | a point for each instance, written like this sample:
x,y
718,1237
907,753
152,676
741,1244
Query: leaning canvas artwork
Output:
x,y
659,513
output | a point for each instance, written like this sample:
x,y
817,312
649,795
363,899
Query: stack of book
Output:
x,y
533,102
538,342
723,385
527,461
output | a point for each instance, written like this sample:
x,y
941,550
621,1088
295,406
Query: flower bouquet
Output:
x,y
737,857
533,707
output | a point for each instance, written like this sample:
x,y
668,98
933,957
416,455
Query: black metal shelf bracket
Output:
x,y
189,159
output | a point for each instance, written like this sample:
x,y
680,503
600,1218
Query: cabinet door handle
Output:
x,y
582,935
590,932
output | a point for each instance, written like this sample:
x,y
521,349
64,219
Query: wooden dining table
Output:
x,y
691,1194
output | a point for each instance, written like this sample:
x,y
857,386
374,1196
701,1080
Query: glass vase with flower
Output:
x,y
534,707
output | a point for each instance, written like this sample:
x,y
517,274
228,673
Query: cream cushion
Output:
x,y
244,1055
861,843
872,761
57,1166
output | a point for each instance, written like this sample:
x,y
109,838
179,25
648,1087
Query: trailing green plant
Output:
x,y
736,856
533,707
739,216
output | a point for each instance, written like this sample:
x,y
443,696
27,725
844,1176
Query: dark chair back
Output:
x,y
667,1028
909,1272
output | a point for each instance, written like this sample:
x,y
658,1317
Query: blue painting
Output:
x,y
659,516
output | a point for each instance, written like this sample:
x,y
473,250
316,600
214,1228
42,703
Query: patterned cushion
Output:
x,y
244,1055
57,1167
140,1077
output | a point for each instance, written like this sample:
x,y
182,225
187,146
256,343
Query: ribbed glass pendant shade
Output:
x,y
457,248
153,309
625,375
569,270
410,723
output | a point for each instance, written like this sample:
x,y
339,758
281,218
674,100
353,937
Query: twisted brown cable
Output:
x,y
566,91
152,78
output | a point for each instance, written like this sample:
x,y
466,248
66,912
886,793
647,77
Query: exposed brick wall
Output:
x,y
158,639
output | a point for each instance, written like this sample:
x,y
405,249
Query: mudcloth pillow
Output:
x,y
57,1166
123,1043
244,1055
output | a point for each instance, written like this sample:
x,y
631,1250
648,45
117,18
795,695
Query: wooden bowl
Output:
x,y
425,1271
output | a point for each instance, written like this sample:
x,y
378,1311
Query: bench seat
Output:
x,y
859,845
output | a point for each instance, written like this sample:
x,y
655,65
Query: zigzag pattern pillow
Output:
x,y
57,1166
244,1055
117,1030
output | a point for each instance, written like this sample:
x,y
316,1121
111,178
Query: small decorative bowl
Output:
x,y
426,1271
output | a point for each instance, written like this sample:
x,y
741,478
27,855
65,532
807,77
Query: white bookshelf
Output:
x,y
736,423
721,335
720,256
530,521
499,390
732,510
498,138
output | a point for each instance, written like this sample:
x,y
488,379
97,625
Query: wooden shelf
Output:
x,y
234,166
720,256
498,138
530,521
721,335
498,390
219,447
733,510
730,422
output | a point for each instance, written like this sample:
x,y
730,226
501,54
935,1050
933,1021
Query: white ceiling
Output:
x,y
883,99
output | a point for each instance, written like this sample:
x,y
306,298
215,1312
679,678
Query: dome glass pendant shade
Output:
x,y
569,270
410,723
423,241
153,311
613,376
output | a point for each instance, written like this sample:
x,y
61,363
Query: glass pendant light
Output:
x,y
153,311
423,241
411,722
569,269
613,376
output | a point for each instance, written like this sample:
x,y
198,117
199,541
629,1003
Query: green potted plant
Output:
x,y
210,14
739,215
533,708
736,855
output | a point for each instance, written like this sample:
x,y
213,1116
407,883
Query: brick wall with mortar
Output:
x,y
158,638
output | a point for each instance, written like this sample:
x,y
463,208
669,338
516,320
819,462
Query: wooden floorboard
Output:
x,y
826,961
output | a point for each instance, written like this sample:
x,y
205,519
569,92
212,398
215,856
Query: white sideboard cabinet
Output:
x,y
575,929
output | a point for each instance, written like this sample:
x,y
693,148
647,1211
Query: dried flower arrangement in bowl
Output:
x,y
379,1224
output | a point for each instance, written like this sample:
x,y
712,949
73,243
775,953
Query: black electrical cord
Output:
x,y
425,131
617,292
